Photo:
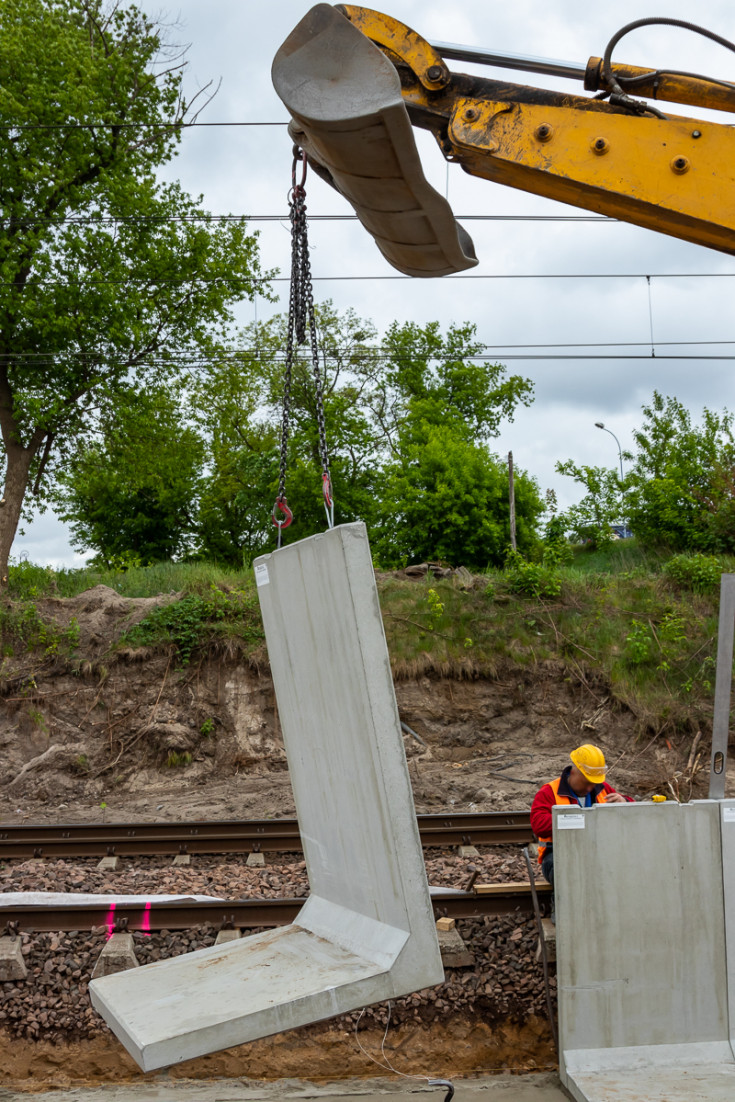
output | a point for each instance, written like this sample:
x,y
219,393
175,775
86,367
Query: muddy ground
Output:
x,y
133,736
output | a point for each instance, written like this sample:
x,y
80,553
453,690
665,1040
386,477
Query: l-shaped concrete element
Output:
x,y
366,932
645,912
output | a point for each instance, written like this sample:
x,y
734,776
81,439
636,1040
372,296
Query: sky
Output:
x,y
603,305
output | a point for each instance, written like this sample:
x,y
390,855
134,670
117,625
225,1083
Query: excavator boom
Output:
x,y
356,81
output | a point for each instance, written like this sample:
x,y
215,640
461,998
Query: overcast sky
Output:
x,y
246,170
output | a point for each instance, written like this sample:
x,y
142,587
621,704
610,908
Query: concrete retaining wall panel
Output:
x,y
640,925
367,931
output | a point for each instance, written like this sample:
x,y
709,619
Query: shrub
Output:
x,y
26,580
697,571
192,621
533,579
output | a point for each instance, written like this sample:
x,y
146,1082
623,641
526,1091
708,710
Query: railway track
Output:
x,y
489,899
232,836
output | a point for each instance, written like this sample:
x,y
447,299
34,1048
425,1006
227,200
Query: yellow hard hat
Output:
x,y
590,761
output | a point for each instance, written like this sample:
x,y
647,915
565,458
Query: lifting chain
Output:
x,y
300,319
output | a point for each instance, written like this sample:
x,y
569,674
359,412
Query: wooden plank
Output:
x,y
509,886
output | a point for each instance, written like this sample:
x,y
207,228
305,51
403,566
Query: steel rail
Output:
x,y
496,899
231,836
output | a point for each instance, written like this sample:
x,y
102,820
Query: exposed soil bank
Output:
x,y
453,1048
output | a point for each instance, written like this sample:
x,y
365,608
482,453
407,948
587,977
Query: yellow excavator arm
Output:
x,y
356,81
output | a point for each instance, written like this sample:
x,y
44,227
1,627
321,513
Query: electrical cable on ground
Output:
x,y
387,1066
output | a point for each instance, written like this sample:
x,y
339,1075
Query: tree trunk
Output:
x,y
16,480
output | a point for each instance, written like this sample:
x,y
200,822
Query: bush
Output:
x,y
26,580
698,572
194,620
533,579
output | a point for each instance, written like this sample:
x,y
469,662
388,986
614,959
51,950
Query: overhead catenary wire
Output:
x,y
180,282
112,220
372,352
205,363
126,125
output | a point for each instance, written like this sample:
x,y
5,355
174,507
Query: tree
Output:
x,y
407,421
406,424
239,487
679,492
592,518
446,498
242,421
131,494
424,378
444,495
681,489
107,277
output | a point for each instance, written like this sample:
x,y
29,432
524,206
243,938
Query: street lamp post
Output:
x,y
600,425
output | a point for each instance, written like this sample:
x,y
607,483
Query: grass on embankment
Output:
x,y
646,627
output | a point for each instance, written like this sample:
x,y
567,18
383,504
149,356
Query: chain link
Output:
x,y
300,319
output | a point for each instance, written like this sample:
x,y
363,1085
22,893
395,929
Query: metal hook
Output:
x,y
328,499
298,155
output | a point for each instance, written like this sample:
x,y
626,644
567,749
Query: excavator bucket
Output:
x,y
348,115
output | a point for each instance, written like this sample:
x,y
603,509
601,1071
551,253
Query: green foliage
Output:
x,y
557,548
407,423
446,498
237,407
130,495
139,581
106,274
615,617
190,623
178,758
443,494
590,521
662,644
680,492
534,579
639,643
698,572
21,622
436,609
618,557
26,580
429,379
702,678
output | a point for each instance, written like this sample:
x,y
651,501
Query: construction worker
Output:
x,y
583,782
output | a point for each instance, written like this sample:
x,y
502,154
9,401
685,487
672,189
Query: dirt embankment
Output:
x,y
134,731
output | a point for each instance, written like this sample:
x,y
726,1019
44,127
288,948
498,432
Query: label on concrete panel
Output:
x,y
728,814
570,822
261,574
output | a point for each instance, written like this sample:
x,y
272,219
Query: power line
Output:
x,y
142,281
199,363
372,351
111,220
125,125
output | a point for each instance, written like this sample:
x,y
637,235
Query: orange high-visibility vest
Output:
x,y
554,785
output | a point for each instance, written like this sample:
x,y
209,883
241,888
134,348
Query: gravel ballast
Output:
x,y
504,984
